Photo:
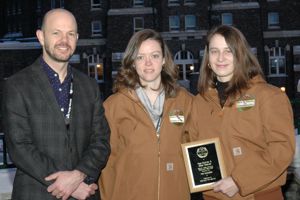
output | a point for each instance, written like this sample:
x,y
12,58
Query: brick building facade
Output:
x,y
105,26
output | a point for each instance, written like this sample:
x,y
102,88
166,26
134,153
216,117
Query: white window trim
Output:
x,y
184,62
280,56
93,60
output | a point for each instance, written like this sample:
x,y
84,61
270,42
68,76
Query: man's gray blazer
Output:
x,y
37,138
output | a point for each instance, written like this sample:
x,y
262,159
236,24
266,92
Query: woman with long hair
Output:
x,y
252,119
147,115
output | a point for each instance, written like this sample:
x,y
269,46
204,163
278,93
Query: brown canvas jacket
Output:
x,y
140,165
257,141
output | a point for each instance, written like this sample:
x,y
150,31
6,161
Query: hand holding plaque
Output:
x,y
204,163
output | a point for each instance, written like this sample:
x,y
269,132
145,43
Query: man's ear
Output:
x,y
40,36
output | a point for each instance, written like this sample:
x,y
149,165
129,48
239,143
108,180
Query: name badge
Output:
x,y
245,103
176,117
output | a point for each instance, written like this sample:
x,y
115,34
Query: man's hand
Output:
x,y
227,186
84,191
65,183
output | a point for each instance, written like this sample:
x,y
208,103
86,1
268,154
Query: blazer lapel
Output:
x,y
40,78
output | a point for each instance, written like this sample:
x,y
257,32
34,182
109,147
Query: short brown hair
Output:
x,y
127,76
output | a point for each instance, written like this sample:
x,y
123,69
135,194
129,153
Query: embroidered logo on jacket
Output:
x,y
237,151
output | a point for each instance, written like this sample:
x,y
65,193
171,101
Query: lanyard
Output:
x,y
68,115
157,128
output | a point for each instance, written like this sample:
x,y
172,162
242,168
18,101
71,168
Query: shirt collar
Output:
x,y
51,73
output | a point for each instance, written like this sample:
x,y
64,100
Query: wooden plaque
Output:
x,y
204,163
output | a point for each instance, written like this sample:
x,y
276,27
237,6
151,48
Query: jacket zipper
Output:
x,y
158,142
157,133
158,185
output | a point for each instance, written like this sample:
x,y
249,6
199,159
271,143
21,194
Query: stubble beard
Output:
x,y
57,57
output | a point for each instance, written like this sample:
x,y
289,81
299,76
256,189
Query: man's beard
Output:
x,y
58,57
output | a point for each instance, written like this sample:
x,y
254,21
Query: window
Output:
x,y
190,22
9,28
96,28
276,61
19,8
95,67
19,27
138,24
227,18
52,4
8,11
38,5
273,19
39,22
174,23
189,1
14,9
5,161
173,2
95,4
62,3
185,62
138,3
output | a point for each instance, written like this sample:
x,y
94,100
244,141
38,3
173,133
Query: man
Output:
x,y
54,122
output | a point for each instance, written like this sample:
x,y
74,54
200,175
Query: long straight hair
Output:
x,y
246,65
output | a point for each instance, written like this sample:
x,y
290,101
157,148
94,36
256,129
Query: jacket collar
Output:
x,y
212,93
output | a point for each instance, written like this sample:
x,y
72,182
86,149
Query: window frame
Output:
x,y
138,3
6,162
224,18
173,2
187,27
53,4
189,2
93,60
271,22
96,6
94,31
277,57
135,28
174,28
62,3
